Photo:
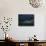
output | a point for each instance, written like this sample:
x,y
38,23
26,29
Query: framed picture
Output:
x,y
26,19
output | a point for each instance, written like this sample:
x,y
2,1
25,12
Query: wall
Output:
x,y
11,8
45,28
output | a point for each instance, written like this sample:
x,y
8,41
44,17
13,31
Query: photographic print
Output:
x,y
26,20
